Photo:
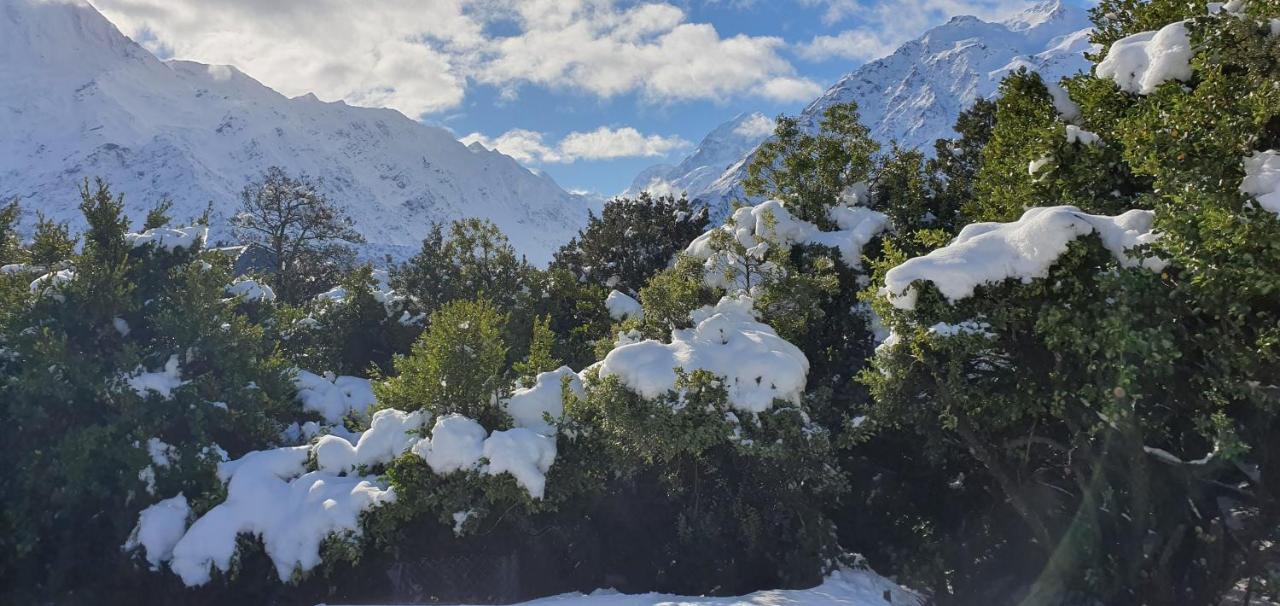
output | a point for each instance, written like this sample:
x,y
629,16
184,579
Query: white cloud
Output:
x,y
419,57
854,45
605,144
883,26
525,146
602,143
758,125
393,53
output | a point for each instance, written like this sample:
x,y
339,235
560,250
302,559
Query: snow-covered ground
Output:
x,y
843,588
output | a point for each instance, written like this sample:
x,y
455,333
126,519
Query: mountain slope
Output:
x,y
79,99
914,95
720,149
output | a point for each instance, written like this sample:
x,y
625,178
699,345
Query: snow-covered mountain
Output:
x,y
914,95
719,150
79,99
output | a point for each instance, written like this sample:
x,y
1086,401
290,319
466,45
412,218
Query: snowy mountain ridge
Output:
x,y
78,99
914,95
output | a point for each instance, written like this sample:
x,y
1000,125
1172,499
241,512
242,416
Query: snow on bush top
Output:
x,y
159,528
51,281
333,396
527,404
456,444
162,381
390,433
251,290
169,238
988,253
270,494
751,227
525,454
757,365
1262,179
1142,62
622,306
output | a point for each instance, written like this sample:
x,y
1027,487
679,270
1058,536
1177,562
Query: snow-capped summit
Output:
x,y
719,150
913,95
79,99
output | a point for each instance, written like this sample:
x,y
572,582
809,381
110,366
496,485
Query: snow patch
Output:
x,y
1142,62
523,453
758,366
988,253
270,495
1262,179
622,306
162,382
391,432
333,396
527,405
169,238
251,290
456,444
159,528
1075,134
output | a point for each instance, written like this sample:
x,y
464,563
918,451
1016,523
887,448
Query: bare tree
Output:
x,y
306,233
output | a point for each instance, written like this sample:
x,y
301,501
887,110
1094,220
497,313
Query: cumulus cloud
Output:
x,y
883,26
758,125
525,146
606,143
390,53
600,144
419,57
855,45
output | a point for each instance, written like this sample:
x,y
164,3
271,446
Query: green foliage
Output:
x,y
631,240
810,171
541,356
76,433
52,242
10,242
360,331
456,366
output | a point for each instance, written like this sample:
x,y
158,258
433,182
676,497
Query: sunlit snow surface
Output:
x,y
844,587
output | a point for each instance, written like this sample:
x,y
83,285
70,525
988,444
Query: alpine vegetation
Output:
x,y
1038,364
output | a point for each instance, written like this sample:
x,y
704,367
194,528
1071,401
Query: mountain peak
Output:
x,y
38,33
913,95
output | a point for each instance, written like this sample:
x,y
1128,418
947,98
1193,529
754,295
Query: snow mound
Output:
x,y
1142,62
333,396
390,433
51,281
159,528
251,290
1262,179
1075,134
169,238
754,227
523,453
162,382
845,587
757,365
988,253
456,444
622,306
270,495
528,404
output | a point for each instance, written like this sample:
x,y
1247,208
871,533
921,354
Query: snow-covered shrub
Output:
x,y
456,366
129,386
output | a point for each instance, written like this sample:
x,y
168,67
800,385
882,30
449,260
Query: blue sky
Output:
x,y
591,91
